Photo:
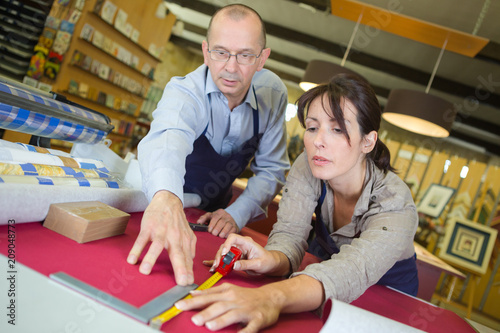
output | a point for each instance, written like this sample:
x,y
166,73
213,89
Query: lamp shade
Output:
x,y
419,112
319,71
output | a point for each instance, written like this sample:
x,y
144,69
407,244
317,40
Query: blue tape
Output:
x,y
72,172
29,169
45,181
84,165
83,182
112,184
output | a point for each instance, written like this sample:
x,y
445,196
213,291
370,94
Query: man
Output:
x,y
206,129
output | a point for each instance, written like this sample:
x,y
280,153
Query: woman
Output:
x,y
364,227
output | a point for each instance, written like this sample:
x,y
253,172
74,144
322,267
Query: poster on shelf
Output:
x,y
135,35
79,4
121,20
128,30
74,16
30,81
67,26
108,11
108,45
87,32
104,71
52,22
83,90
98,39
73,87
44,86
62,41
87,61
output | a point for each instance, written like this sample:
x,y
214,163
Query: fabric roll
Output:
x,y
61,181
11,155
35,122
31,169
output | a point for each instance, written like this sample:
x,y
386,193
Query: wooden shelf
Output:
x,y
107,81
116,59
120,112
146,51
153,31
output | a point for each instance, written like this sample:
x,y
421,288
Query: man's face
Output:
x,y
235,37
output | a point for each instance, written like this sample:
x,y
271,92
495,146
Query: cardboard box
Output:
x,y
86,221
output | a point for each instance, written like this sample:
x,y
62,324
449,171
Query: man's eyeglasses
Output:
x,y
241,58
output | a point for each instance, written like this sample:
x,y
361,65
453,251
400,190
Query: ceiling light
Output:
x,y
419,112
319,71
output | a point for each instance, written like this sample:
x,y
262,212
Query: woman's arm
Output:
x,y
256,307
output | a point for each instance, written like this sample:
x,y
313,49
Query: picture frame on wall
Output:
x,y
435,200
468,245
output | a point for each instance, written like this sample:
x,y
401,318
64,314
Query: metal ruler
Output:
x,y
225,266
143,314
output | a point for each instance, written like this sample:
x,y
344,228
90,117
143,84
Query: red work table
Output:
x,y
102,264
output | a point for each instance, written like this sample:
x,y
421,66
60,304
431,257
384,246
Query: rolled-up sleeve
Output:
x,y
362,263
162,153
300,195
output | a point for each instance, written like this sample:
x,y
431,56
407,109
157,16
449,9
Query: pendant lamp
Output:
x,y
420,112
320,71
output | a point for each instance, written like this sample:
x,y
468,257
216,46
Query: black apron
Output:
x,y
402,276
210,175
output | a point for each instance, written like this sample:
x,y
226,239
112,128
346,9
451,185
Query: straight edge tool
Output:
x,y
225,266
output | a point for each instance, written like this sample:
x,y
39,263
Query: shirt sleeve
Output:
x,y
385,238
269,167
362,263
300,195
177,122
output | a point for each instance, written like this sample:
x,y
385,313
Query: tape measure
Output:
x,y
225,266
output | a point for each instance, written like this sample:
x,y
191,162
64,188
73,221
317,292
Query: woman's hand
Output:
x,y
255,259
229,304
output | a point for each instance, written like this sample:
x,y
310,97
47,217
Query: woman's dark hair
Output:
x,y
359,92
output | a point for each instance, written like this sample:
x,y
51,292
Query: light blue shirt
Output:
x,y
182,115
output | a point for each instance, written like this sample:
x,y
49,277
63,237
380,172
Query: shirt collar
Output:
x,y
211,87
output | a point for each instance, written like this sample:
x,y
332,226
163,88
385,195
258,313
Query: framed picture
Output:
x,y
468,245
435,200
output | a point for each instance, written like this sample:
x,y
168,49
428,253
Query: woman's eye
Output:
x,y
311,129
337,130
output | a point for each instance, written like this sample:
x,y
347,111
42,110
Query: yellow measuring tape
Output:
x,y
225,266
159,320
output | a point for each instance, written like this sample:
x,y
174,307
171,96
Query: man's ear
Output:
x,y
263,57
206,55
369,142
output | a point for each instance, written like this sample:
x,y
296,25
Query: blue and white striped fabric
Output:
x,y
61,181
36,123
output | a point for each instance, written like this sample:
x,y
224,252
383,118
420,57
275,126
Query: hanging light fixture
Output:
x,y
421,112
320,71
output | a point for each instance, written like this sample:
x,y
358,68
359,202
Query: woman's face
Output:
x,y
330,155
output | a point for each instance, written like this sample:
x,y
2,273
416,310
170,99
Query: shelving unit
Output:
x,y
21,23
153,30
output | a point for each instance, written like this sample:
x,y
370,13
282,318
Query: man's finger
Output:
x,y
204,218
150,258
137,248
182,264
